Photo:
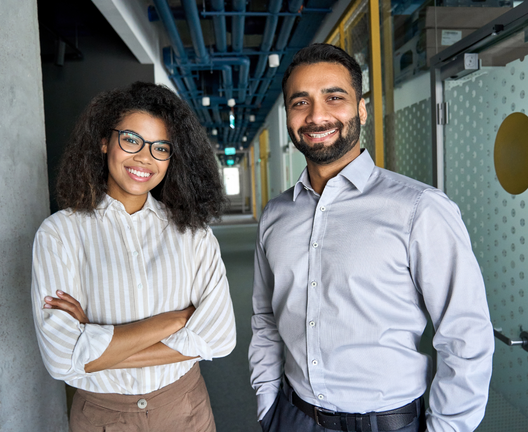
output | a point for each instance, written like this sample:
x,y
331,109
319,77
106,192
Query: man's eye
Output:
x,y
299,103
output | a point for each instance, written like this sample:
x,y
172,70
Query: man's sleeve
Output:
x,y
446,271
65,344
266,350
210,332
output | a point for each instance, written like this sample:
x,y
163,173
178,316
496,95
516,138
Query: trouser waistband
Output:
x,y
155,399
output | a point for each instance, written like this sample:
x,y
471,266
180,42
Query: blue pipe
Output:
x,y
238,23
267,40
219,24
282,40
191,13
181,58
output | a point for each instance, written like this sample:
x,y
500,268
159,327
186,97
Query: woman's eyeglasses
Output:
x,y
131,142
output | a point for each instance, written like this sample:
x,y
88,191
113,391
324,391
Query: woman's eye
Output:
x,y
131,139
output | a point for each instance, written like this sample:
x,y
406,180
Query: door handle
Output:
x,y
523,342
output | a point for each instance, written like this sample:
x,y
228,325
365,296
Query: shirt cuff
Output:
x,y
91,345
189,344
264,403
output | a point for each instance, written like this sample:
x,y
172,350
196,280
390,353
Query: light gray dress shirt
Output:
x,y
343,283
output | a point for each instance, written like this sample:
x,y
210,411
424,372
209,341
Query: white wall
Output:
x,y
30,399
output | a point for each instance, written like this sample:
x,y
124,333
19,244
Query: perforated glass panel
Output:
x,y
496,220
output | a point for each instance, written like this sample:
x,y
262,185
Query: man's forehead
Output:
x,y
300,77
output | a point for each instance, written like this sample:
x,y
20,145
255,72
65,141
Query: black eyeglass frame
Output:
x,y
119,132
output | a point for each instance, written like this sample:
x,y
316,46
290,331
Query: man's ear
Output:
x,y
362,112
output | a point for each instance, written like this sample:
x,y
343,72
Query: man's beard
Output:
x,y
321,154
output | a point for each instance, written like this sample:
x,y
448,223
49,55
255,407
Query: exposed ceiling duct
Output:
x,y
223,62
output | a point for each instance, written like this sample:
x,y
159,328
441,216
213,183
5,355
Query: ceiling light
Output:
x,y
273,60
206,101
214,132
231,103
244,138
252,118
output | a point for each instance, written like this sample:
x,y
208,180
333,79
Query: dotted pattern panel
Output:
x,y
496,220
366,139
412,152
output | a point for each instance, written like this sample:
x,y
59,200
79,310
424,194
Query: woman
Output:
x,y
130,292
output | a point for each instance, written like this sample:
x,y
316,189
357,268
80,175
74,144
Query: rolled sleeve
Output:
x,y
447,273
210,332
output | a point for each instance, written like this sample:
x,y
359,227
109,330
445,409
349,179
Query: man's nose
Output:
x,y
318,113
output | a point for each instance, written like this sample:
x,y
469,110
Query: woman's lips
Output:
x,y
139,174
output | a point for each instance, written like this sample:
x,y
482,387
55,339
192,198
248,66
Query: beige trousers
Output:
x,y
181,406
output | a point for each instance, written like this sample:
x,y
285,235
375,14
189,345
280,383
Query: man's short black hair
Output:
x,y
319,52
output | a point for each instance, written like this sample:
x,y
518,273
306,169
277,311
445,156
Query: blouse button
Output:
x,y
134,254
140,286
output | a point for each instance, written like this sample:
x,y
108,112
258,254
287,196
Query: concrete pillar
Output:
x,y
30,399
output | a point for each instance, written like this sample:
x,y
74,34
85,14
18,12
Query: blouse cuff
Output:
x,y
188,343
92,343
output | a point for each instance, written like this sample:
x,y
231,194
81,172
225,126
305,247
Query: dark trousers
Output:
x,y
283,416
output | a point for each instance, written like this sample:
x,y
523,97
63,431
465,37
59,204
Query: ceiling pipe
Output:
x,y
282,40
267,40
238,23
219,25
191,13
165,14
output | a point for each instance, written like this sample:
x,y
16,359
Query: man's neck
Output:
x,y
320,174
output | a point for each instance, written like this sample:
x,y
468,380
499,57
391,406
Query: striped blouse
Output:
x,y
124,268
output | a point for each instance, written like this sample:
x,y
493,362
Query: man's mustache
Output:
x,y
322,128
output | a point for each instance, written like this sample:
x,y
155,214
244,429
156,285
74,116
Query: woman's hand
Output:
x,y
66,303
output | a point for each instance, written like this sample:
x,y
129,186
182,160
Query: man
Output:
x,y
348,264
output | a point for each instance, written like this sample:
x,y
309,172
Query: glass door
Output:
x,y
482,164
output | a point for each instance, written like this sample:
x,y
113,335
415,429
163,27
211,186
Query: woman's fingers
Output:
x,y
66,303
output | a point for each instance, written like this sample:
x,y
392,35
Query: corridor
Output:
x,y
232,398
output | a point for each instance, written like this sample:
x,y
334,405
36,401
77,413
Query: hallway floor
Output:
x,y
232,398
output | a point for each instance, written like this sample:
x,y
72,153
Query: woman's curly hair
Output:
x,y
191,190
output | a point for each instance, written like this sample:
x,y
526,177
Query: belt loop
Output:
x,y
344,423
359,423
373,422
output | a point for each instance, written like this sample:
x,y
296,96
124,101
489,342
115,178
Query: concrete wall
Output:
x,y
30,399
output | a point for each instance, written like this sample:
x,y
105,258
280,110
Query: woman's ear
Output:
x,y
104,145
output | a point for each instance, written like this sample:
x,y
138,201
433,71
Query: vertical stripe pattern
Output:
x,y
124,268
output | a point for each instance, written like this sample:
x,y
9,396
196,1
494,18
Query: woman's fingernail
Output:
x,y
48,298
47,306
60,292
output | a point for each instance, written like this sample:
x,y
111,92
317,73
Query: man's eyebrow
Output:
x,y
297,95
334,90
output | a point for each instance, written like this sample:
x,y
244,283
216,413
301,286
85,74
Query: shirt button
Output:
x,y
323,208
140,286
315,245
312,323
134,254
314,284
315,362
142,403
321,396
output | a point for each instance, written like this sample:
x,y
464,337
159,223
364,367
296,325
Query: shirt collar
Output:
x,y
356,172
152,204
